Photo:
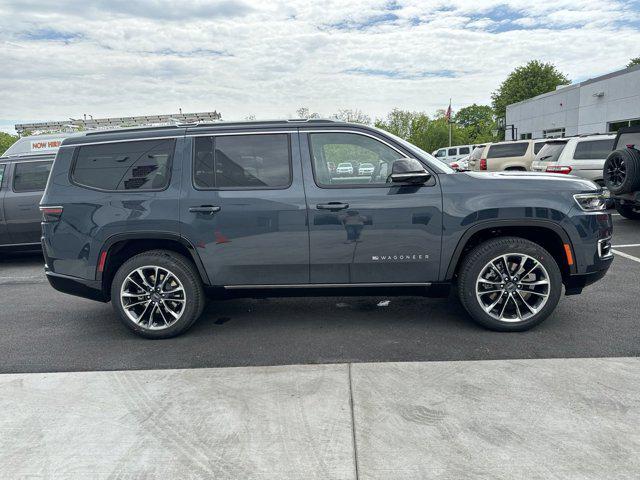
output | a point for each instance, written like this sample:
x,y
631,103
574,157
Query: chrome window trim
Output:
x,y
329,285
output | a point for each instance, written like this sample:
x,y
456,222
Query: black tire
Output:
x,y
621,171
475,262
628,211
183,270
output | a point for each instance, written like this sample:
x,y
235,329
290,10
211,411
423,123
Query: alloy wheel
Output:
x,y
153,297
513,287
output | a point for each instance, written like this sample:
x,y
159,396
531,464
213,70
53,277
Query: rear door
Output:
x,y
21,201
589,157
4,234
365,230
243,207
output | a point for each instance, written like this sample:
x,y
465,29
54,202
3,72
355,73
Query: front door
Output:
x,y
22,200
243,207
362,228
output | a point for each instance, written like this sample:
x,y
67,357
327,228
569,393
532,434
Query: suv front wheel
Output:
x,y
157,294
509,284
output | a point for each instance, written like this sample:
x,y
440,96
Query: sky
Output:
x,y
267,58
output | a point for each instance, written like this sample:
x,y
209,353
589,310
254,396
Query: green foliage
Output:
x,y
477,121
633,61
424,132
353,116
525,82
6,140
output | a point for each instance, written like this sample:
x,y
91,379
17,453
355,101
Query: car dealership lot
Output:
x,y
44,330
558,416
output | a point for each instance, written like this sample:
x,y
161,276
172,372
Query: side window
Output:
x,y
31,176
139,165
452,152
504,150
464,150
2,167
593,150
441,153
360,151
242,161
537,146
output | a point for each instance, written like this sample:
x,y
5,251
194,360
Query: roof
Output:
x,y
37,145
564,88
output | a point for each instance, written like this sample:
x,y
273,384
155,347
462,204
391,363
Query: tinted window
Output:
x,y
631,138
336,148
464,150
441,153
502,150
242,161
550,152
141,165
593,150
537,146
31,176
2,167
452,151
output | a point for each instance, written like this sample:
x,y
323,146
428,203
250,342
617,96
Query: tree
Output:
x,y
525,82
6,140
304,112
353,116
478,122
634,61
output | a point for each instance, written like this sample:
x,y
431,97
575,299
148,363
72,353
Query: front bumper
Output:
x,y
574,284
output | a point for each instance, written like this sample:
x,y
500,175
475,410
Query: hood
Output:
x,y
536,180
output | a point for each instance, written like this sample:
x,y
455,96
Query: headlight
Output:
x,y
591,202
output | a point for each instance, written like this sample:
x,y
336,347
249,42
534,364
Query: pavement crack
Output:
x,y
353,425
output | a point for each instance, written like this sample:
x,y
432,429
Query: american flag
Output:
x,y
447,114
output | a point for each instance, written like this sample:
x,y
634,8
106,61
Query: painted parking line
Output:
x,y
626,255
629,245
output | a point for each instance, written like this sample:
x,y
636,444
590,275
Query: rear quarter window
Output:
x,y
631,138
593,149
121,166
505,150
464,150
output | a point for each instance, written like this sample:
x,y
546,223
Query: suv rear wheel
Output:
x,y
157,294
622,171
509,284
628,211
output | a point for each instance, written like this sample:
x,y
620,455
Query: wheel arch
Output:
x,y
549,235
121,247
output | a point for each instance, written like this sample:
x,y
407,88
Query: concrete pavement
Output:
x,y
511,419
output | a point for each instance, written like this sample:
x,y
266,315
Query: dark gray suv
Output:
x,y
154,220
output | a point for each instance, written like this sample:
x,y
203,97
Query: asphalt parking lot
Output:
x,y
46,331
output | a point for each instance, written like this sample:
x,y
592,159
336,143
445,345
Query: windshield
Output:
x,y
422,154
550,152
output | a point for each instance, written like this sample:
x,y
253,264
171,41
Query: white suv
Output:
x,y
451,154
581,156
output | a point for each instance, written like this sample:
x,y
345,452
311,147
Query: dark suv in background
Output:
x,y
621,172
24,170
154,219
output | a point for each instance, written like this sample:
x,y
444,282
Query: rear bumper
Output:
x,y
78,287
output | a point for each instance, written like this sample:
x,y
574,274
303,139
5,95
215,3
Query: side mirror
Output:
x,y
408,170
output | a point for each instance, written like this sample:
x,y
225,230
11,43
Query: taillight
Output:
x,y
51,214
454,165
483,164
559,169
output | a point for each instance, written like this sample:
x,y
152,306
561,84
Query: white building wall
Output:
x,y
580,108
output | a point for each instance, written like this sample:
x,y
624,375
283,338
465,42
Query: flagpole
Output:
x,y
449,120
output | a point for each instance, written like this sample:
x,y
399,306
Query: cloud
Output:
x,y
64,59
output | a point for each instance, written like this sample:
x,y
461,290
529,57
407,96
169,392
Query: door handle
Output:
x,y
333,206
210,209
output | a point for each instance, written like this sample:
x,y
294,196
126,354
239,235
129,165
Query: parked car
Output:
x,y
461,165
582,156
366,169
344,169
452,154
24,170
512,155
621,172
154,219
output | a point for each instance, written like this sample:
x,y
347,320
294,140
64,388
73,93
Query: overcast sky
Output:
x,y
267,58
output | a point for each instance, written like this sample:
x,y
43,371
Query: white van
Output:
x,y
451,154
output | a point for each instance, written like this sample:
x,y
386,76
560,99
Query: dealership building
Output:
x,y
599,105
